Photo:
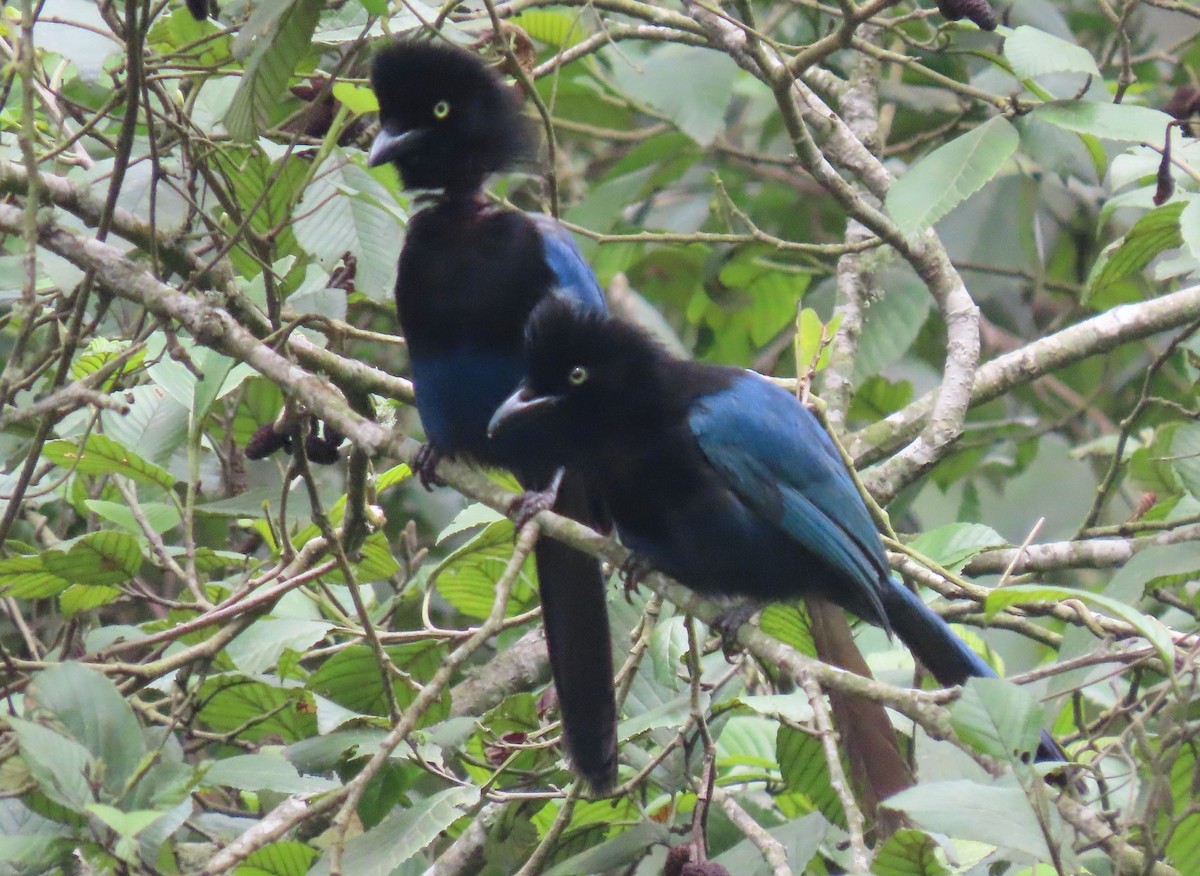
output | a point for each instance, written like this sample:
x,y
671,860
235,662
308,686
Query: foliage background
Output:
x,y
215,665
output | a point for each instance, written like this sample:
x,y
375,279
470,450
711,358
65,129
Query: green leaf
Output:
x,y
997,718
891,324
160,516
1108,121
1189,227
1035,53
1002,816
105,557
127,824
86,597
909,852
269,67
284,858
101,455
558,29
806,773
1184,844
28,578
952,545
692,89
467,577
359,99
259,647
346,210
950,174
1150,235
788,622
1152,629
264,771
58,765
1185,456
91,709
403,834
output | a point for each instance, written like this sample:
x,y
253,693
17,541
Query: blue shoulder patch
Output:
x,y
575,278
779,460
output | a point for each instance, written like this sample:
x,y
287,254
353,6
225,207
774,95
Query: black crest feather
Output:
x,y
478,127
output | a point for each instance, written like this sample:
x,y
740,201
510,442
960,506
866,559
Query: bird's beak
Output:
x,y
519,406
389,146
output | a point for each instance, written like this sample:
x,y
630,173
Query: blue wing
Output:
x,y
575,278
776,457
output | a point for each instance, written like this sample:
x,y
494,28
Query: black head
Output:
x,y
588,377
448,120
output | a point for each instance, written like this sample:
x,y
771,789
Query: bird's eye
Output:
x,y
441,109
578,375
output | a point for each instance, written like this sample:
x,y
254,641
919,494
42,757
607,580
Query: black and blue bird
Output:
x,y
717,477
469,276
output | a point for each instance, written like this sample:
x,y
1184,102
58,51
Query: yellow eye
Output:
x,y
441,109
578,375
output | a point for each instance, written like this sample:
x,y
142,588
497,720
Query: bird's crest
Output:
x,y
461,120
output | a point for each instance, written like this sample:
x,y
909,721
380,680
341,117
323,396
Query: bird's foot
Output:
x,y
727,623
632,572
425,466
532,502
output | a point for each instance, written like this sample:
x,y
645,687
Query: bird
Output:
x,y
717,477
469,276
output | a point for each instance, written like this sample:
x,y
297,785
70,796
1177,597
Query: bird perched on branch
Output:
x,y
469,276
717,477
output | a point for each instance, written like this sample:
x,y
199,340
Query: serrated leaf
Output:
x,y
467,577
1108,121
891,324
909,852
59,765
86,597
1185,456
997,814
954,544
690,88
106,557
997,718
788,622
558,29
269,67
1150,235
264,771
1152,629
1184,844
950,174
160,516
359,99
346,210
256,708
28,578
805,772
101,455
1189,228
259,647
90,708
284,858
403,834
1035,53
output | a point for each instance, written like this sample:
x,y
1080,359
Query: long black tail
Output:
x,y
575,616
944,654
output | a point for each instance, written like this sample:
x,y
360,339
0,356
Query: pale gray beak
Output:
x,y
519,406
388,146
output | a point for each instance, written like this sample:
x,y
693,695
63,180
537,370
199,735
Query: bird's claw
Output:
x,y
425,465
633,571
727,623
532,502
528,505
